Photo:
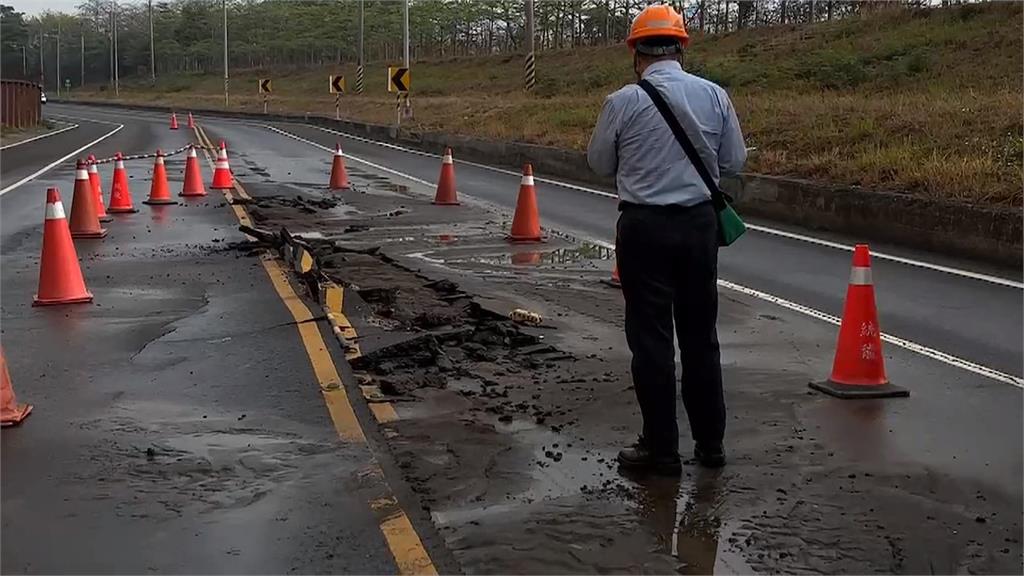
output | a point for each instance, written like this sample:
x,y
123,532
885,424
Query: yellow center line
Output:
x,y
403,541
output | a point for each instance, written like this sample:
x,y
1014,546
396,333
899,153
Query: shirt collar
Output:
x,y
662,65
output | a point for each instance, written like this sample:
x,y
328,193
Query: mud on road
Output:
x,y
507,433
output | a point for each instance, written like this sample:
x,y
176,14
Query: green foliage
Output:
x,y
833,70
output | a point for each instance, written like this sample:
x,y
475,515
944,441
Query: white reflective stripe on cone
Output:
x,y
527,180
92,169
81,174
119,165
192,153
447,159
860,276
159,159
55,211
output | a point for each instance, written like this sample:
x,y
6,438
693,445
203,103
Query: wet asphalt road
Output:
x,y
185,340
178,425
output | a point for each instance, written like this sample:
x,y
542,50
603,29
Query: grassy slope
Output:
x,y
924,102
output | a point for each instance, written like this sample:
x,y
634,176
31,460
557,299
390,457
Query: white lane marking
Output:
x,y
54,163
901,342
899,259
763,229
349,156
89,119
932,353
40,137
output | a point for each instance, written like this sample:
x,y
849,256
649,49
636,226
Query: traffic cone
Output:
x,y
85,223
11,413
858,370
174,121
446,195
526,221
60,277
339,176
614,280
193,177
97,190
120,195
191,121
222,179
159,193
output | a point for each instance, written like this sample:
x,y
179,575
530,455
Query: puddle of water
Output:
x,y
584,252
208,444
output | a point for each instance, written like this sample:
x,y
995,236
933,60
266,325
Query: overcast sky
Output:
x,y
33,7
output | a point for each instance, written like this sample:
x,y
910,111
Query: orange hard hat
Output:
x,y
658,21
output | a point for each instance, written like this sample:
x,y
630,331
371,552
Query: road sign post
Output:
x,y
336,86
266,87
399,80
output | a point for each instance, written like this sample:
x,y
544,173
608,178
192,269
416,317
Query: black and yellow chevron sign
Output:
x,y
398,79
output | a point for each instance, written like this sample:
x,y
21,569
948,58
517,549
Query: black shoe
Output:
x,y
709,457
638,457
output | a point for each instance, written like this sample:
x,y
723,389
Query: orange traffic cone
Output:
x,y
339,176
858,370
159,193
614,281
193,177
60,277
222,179
174,121
97,190
120,195
446,195
526,221
191,121
11,413
85,223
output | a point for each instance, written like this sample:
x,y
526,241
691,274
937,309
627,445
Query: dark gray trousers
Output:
x,y
668,264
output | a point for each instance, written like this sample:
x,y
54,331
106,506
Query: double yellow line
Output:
x,y
403,541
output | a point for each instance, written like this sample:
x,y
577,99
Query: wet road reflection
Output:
x,y
683,518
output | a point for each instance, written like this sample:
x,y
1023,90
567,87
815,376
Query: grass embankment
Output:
x,y
923,102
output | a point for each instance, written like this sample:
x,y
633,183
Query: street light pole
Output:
x,y
42,70
117,78
405,28
224,6
81,75
58,59
152,53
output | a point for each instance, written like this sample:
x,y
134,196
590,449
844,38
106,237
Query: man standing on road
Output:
x,y
667,238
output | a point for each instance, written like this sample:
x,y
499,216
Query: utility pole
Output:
x,y
58,59
405,31
224,7
81,75
359,69
42,71
111,40
24,63
152,53
529,66
117,78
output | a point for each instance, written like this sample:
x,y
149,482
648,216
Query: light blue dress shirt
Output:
x,y
633,142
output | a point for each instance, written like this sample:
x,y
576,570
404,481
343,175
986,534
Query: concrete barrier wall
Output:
x,y
992,234
19,104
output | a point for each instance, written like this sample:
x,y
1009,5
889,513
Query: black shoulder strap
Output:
x,y
717,197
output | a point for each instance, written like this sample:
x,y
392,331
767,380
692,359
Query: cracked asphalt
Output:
x,y
179,426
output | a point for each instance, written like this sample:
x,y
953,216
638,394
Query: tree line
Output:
x,y
188,34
